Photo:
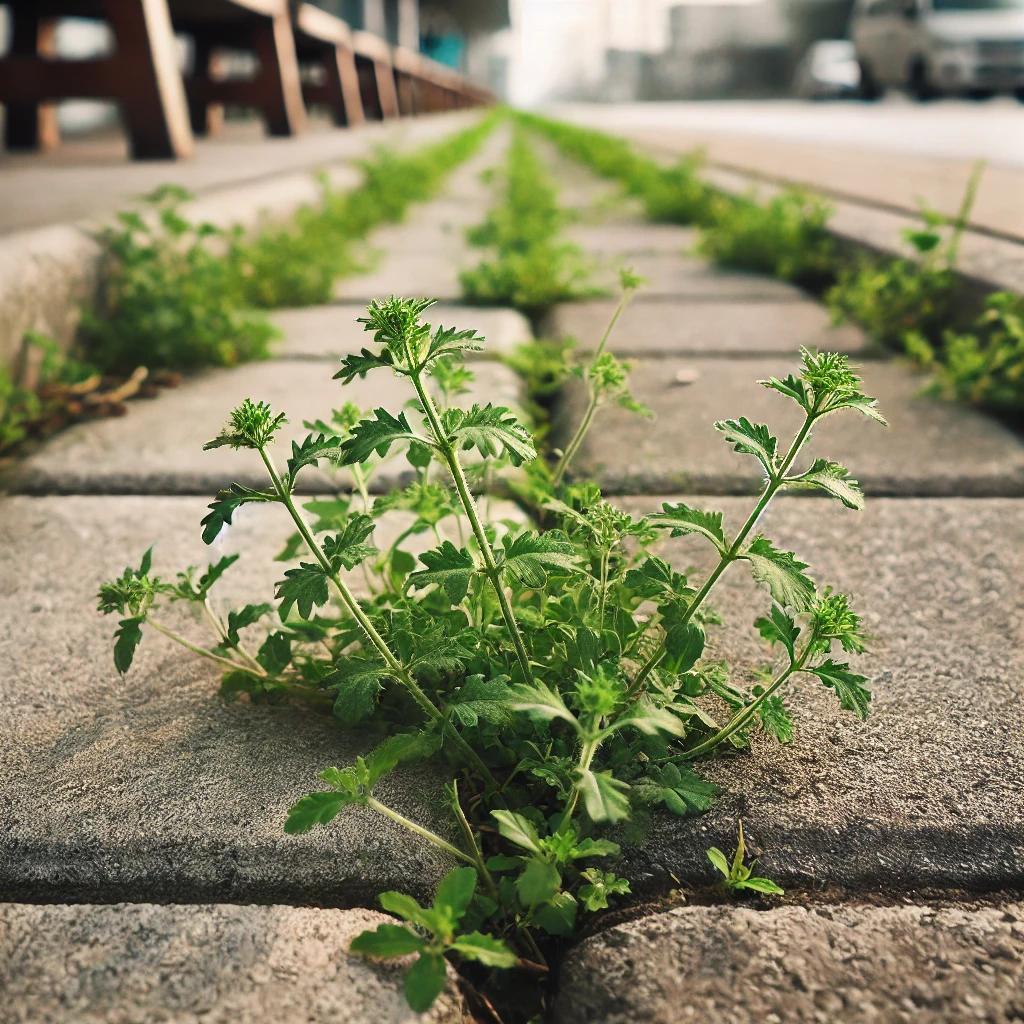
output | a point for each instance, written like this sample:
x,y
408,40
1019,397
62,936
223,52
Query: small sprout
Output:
x,y
738,876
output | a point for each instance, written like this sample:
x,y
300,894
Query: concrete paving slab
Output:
x,y
401,271
675,276
126,963
681,450
152,787
323,332
632,238
157,447
801,965
686,327
929,791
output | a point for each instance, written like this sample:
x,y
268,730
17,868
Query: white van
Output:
x,y
936,47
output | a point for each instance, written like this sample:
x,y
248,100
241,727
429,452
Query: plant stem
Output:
x,y
471,842
744,715
223,634
203,652
396,668
584,425
451,457
587,752
423,833
774,483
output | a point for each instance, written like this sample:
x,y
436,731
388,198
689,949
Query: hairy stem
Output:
x,y
588,416
451,457
774,483
229,663
396,668
423,833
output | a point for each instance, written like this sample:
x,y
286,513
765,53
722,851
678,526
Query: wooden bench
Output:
x,y
262,28
376,76
324,47
141,76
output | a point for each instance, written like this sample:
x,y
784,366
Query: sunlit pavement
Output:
x,y
893,153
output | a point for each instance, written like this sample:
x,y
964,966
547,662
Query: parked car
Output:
x,y
828,70
940,47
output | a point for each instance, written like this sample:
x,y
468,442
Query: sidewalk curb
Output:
x,y
46,274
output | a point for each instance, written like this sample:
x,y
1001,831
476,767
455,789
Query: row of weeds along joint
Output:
x,y
564,678
528,263
915,306
179,295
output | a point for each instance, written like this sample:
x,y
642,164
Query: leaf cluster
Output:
x,y
564,675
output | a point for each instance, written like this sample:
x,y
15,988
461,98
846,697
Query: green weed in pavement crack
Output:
x,y
529,264
566,679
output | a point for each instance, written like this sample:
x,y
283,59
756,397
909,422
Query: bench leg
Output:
x,y
153,101
387,95
206,118
278,86
341,81
30,125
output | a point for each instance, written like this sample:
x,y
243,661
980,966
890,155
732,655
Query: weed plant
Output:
x,y
529,265
785,237
906,304
565,679
170,297
298,265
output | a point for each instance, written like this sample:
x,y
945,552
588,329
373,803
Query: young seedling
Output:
x,y
566,679
738,876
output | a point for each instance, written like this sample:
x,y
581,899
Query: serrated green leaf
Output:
x,y
303,587
491,430
315,809
485,949
679,789
401,905
834,479
489,700
358,684
400,749
538,882
850,687
349,547
238,619
127,639
558,915
684,643
387,940
449,341
782,573
779,629
751,439
275,652
529,558
313,448
518,830
643,716
539,701
604,796
425,981
682,519
447,567
775,719
455,891
359,364
654,578
376,436
224,506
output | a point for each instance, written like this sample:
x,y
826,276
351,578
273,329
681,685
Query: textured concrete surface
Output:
x,y
802,965
124,964
424,255
320,332
929,791
930,448
151,787
157,447
632,239
674,276
705,328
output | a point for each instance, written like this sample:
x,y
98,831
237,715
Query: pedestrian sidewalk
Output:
x,y
153,790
